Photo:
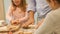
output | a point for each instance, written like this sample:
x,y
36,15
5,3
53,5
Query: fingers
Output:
x,y
14,22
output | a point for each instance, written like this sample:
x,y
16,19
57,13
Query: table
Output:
x,y
18,30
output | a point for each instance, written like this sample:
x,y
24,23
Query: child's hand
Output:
x,y
24,25
15,22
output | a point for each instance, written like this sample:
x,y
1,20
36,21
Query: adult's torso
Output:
x,y
42,8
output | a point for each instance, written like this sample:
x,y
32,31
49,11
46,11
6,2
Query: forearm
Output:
x,y
8,17
25,18
9,14
30,20
44,28
39,23
47,26
31,17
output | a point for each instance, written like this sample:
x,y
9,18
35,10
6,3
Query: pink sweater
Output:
x,y
17,14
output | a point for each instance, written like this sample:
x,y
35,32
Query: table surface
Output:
x,y
20,30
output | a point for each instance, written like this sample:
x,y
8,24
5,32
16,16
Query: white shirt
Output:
x,y
51,24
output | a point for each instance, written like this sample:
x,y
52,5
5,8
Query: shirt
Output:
x,y
40,6
16,14
51,24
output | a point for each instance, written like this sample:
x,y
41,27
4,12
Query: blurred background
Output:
x,y
2,13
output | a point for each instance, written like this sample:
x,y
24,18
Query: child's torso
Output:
x,y
18,13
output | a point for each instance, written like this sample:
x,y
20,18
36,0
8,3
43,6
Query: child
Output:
x,y
17,12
